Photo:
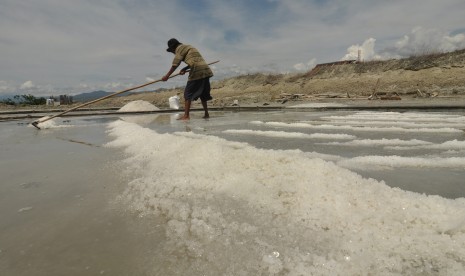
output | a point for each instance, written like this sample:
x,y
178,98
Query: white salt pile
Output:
x,y
138,105
253,211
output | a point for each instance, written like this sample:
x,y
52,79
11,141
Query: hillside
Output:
x,y
431,76
427,76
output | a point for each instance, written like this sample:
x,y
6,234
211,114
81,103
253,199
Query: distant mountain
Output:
x,y
89,96
85,97
6,96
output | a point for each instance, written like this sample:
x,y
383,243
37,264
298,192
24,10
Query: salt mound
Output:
x,y
325,220
138,106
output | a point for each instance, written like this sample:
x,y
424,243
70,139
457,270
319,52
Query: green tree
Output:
x,y
8,102
32,100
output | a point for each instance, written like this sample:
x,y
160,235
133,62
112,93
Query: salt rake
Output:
x,y
44,119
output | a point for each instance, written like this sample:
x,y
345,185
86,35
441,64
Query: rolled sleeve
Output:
x,y
177,61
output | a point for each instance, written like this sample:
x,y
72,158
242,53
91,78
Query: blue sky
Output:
x,y
52,47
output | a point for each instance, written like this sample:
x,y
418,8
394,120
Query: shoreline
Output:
x,y
458,100
443,103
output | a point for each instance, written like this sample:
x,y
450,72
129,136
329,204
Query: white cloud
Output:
x,y
366,50
114,86
27,85
305,66
84,85
418,42
4,87
425,41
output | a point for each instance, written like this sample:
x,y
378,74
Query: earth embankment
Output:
x,y
433,76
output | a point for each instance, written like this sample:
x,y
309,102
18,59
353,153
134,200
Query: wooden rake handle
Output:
x,y
35,123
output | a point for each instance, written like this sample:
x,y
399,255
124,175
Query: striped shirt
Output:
x,y
199,69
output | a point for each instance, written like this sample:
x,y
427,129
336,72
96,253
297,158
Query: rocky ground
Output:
x,y
427,79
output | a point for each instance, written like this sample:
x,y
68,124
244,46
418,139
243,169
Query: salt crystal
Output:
x,y
24,209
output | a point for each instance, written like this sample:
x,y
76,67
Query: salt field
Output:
x,y
243,193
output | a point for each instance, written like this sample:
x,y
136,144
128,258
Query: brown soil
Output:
x,y
426,77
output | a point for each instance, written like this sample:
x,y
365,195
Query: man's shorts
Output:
x,y
198,89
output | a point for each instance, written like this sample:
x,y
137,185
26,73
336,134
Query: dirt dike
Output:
x,y
434,77
426,79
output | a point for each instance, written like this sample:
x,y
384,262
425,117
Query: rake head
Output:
x,y
35,124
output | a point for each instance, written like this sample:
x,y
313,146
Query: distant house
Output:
x,y
65,99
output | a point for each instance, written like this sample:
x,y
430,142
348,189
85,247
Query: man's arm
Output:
x,y
167,76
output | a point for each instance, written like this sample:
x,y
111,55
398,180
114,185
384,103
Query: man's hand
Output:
x,y
184,70
167,76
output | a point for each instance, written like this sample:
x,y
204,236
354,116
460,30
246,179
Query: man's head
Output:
x,y
172,44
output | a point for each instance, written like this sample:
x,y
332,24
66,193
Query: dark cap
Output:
x,y
172,44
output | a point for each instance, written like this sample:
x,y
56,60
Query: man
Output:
x,y
198,84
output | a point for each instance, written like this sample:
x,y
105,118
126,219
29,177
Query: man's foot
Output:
x,y
206,116
183,118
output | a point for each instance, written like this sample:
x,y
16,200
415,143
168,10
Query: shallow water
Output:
x,y
275,193
55,203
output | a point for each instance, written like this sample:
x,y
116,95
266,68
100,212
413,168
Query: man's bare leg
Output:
x,y
187,108
205,108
